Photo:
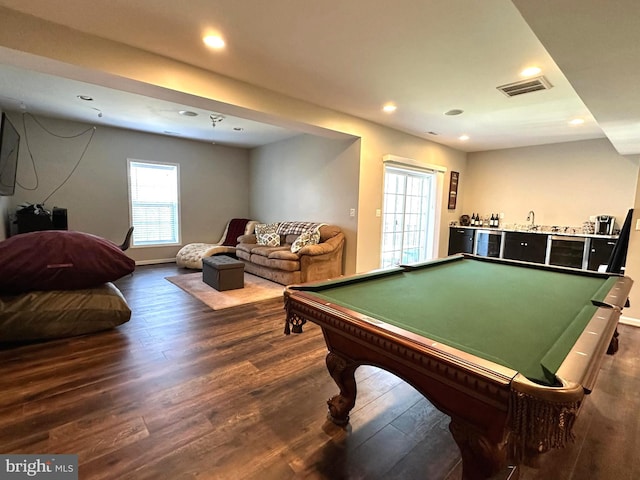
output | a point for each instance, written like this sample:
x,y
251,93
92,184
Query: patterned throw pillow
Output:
x,y
268,239
306,238
266,228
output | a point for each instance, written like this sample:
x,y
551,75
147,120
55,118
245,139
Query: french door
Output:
x,y
408,216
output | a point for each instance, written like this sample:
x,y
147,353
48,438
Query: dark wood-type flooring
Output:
x,y
183,392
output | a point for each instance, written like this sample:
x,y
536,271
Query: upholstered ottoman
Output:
x,y
222,272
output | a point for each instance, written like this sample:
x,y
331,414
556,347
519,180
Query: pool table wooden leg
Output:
x,y
343,373
613,344
481,457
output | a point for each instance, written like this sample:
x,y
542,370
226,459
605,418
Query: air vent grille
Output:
x,y
525,86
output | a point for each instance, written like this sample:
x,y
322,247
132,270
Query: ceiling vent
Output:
x,y
525,86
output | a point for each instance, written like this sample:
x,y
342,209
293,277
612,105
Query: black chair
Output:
x,y
127,240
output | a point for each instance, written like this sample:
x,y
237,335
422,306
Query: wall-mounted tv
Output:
x,y
9,144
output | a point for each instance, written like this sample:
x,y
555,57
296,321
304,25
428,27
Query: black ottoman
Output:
x,y
222,272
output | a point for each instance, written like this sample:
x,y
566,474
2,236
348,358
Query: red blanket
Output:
x,y
236,228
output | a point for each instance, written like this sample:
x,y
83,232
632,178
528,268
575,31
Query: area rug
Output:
x,y
255,289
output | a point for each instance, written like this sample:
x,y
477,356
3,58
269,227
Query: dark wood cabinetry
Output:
x,y
460,240
528,247
600,251
567,250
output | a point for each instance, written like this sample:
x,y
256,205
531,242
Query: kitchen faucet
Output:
x,y
531,217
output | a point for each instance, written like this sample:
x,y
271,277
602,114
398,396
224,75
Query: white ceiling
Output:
x,y
426,56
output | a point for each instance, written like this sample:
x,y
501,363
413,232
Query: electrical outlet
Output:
x,y
352,212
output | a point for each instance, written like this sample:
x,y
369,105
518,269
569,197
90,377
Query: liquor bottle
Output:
x,y
492,221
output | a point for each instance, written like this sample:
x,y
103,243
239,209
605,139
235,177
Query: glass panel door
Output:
x,y
407,230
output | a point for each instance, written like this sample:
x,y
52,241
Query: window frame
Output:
x,y
178,222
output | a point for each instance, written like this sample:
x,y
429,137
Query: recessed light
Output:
x,y
238,129
430,132
576,121
389,108
530,71
187,113
455,111
464,138
86,98
214,41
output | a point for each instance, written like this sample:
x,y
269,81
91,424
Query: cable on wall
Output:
x,y
33,163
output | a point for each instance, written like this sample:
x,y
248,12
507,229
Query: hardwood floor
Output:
x,y
183,392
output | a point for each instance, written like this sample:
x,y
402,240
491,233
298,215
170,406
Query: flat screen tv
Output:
x,y
9,144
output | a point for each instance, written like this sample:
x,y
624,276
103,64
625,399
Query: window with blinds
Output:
x,y
153,202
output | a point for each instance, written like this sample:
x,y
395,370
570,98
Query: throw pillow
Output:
x,y
266,228
306,238
268,239
59,260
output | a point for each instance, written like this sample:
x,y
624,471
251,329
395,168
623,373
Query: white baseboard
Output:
x,y
630,321
158,260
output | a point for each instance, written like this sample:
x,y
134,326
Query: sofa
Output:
x,y
293,252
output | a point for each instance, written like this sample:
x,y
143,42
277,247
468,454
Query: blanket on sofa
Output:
x,y
234,230
297,228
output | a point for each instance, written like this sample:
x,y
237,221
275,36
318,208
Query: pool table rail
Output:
x,y
583,362
618,295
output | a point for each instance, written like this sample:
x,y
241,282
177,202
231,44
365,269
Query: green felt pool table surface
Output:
x,y
522,317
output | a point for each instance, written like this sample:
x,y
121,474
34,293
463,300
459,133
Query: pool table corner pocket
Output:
x,y
541,417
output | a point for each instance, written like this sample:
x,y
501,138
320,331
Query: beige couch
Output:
x,y
279,264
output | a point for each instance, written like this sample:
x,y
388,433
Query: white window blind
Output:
x,y
153,196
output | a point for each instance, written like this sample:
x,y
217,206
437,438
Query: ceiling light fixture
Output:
x,y
86,98
576,121
389,108
454,111
187,113
530,71
215,119
464,138
214,41
238,129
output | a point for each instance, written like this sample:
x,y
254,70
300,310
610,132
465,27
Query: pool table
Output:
x,y
507,349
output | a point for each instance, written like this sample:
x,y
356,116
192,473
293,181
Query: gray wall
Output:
x,y
308,178
214,180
